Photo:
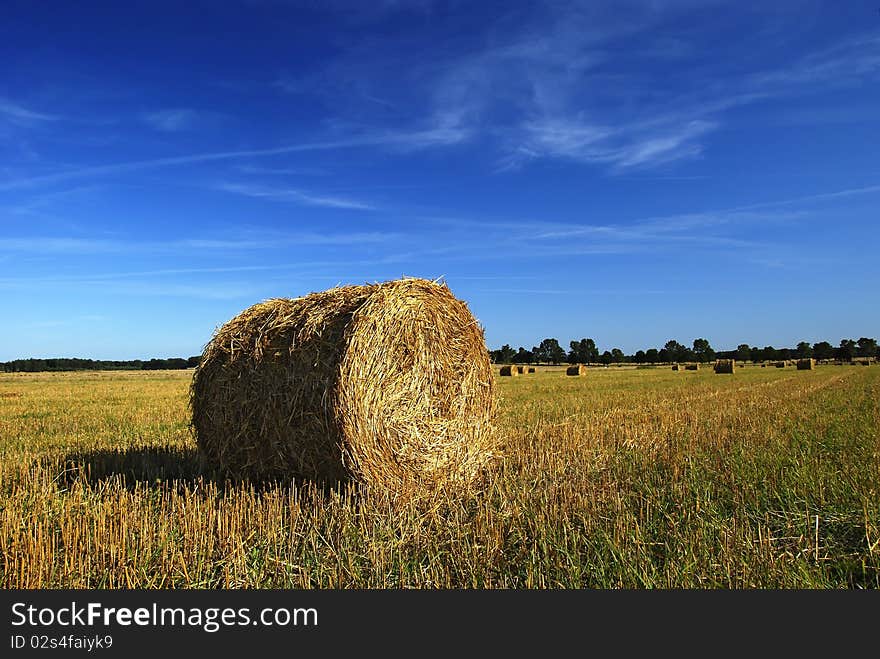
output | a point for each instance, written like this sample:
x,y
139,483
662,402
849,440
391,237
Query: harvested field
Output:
x,y
627,478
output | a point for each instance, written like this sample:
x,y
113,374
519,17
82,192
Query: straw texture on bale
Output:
x,y
806,364
386,384
577,369
509,370
725,366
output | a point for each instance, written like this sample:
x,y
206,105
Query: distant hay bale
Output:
x,y
780,364
522,370
384,384
676,367
865,363
532,369
806,364
577,369
509,370
692,367
725,366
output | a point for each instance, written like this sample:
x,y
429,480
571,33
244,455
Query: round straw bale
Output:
x,y
386,384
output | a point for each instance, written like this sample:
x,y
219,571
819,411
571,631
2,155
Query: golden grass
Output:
x,y
626,479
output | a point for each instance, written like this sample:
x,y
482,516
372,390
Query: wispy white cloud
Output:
x,y
297,196
282,171
83,246
567,89
398,140
721,228
172,120
21,115
621,146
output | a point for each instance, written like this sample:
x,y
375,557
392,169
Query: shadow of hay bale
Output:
x,y
133,467
162,468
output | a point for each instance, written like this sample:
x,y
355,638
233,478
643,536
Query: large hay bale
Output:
x,y
386,384
577,369
806,364
509,370
725,366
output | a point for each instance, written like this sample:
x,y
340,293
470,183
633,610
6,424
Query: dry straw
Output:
x,y
577,369
509,370
806,364
725,366
385,384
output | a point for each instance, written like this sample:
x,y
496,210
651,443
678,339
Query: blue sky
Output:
x,y
628,171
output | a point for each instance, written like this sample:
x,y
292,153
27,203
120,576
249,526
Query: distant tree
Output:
x,y
652,355
523,356
803,350
617,355
505,355
583,351
640,357
605,358
549,351
847,349
743,352
663,355
703,351
756,354
675,351
194,361
768,353
823,350
867,347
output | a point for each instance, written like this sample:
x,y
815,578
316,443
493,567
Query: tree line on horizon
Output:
x,y
586,352
549,351
76,364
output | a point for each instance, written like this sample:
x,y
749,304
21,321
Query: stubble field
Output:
x,y
768,478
